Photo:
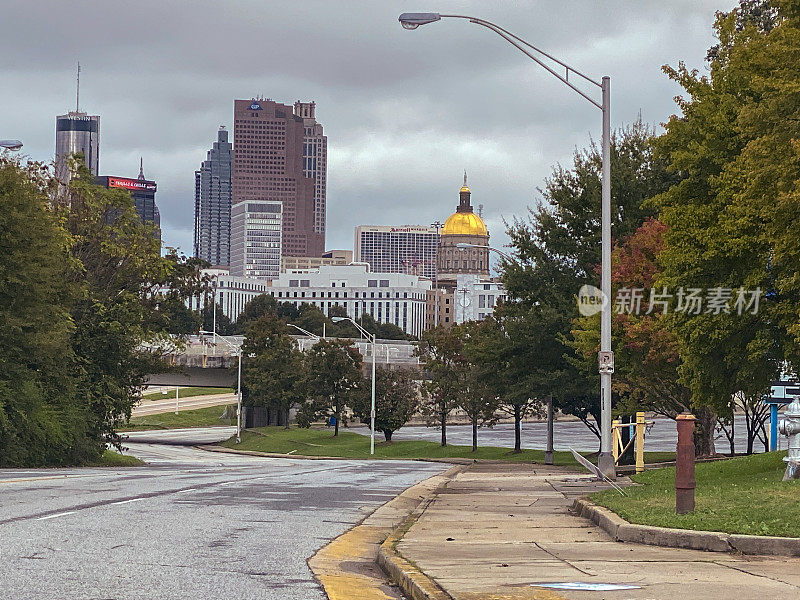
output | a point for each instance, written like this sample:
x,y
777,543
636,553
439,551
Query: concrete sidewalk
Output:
x,y
496,529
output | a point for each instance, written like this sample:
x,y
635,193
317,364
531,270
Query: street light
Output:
x,y
12,145
605,460
238,382
308,333
414,20
370,337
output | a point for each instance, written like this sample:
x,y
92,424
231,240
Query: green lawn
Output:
x,y
110,458
740,495
320,442
201,417
188,392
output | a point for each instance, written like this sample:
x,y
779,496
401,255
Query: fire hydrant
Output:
x,y
790,426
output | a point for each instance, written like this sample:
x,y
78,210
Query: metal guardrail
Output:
x,y
387,351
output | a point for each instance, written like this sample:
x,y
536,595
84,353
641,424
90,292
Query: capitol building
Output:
x,y
463,227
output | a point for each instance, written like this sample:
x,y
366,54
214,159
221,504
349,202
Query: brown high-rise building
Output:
x,y
268,165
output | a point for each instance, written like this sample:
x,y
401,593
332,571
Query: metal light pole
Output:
x,y
12,145
239,400
372,339
238,351
605,461
438,225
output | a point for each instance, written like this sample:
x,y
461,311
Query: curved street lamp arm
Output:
x,y
367,334
513,39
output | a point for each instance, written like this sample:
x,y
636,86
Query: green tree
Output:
x,y
396,401
118,269
261,305
223,324
272,367
446,369
333,381
557,250
729,218
42,421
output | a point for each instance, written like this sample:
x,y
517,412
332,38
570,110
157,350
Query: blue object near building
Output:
x,y
781,393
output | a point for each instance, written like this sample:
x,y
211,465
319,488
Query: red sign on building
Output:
x,y
135,185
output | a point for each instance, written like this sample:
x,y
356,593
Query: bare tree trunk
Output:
x,y
704,432
286,418
474,435
517,429
387,434
336,425
444,428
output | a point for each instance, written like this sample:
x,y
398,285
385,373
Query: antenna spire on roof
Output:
x,y
78,90
465,178
141,168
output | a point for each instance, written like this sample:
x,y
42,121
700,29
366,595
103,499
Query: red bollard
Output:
x,y
684,465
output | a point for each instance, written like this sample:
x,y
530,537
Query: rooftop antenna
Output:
x,y
141,168
78,91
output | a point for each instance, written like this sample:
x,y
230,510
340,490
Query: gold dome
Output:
x,y
464,189
464,223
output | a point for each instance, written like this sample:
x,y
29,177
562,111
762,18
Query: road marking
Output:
x,y
69,512
128,500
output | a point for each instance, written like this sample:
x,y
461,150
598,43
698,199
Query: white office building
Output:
x,y
475,297
389,297
256,238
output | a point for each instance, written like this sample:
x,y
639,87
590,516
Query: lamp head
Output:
x,y
464,245
338,319
414,20
12,145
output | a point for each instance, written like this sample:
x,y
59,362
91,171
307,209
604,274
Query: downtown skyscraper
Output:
x,y
212,203
77,133
315,160
268,166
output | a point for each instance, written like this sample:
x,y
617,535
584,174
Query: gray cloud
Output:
x,y
405,112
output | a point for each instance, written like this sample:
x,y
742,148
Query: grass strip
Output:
x,y
201,417
110,458
187,392
742,495
321,442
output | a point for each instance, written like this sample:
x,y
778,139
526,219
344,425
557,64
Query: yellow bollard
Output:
x,y
640,425
615,440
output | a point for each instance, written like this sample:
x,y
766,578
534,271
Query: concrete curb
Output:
x,y
215,448
711,541
343,566
413,582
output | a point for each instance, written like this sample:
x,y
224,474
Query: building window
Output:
x,y
481,301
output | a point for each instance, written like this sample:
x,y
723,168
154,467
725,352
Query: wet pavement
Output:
x,y
191,524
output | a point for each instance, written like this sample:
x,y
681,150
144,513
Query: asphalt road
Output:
x,y
191,524
662,436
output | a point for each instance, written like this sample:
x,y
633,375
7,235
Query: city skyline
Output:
x,y
388,163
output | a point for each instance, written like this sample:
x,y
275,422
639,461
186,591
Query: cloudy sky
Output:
x,y
405,111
